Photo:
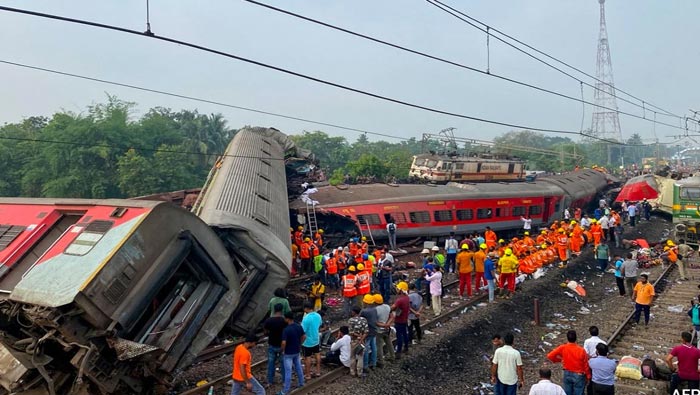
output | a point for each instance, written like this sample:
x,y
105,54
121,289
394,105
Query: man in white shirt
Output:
x,y
590,343
604,222
507,368
545,385
340,349
527,223
585,221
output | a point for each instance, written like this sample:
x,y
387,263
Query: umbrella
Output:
x,y
639,188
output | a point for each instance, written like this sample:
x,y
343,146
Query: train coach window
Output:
x,y
501,212
399,218
690,193
431,163
465,215
88,238
519,211
484,213
419,217
535,210
459,166
368,219
442,215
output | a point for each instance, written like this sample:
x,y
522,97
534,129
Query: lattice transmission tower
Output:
x,y
606,120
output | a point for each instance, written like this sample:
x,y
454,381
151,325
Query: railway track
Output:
x,y
328,375
668,320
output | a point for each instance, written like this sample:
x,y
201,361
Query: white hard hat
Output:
x,y
425,251
435,248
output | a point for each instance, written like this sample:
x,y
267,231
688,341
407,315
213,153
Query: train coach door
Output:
x,y
547,210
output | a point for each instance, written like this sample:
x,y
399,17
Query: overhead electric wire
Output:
x,y
451,62
304,76
198,99
458,14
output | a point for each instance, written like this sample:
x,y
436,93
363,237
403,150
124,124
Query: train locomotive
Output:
x,y
436,210
116,296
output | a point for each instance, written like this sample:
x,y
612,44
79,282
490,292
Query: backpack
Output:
x,y
392,228
649,369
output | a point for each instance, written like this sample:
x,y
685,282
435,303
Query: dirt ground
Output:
x,y
454,359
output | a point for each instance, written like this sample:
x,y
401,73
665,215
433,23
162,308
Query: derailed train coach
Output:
x,y
115,296
106,296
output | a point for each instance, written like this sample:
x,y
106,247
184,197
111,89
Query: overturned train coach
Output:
x,y
115,296
106,293
437,210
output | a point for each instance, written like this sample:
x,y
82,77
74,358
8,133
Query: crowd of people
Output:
x,y
369,279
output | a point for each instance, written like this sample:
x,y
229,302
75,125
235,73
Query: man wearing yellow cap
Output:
x,y
508,267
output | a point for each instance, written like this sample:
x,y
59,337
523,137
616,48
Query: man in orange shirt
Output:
x,y
574,360
479,258
242,377
490,237
643,295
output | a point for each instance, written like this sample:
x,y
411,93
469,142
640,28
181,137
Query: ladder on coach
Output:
x,y
363,222
311,219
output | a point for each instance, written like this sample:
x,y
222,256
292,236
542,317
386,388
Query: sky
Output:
x,y
653,46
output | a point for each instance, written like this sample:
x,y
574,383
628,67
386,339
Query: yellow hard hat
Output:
x,y
501,241
368,299
508,251
527,233
360,267
300,227
351,268
307,239
543,246
594,220
544,232
571,234
402,285
573,222
378,299
320,231
670,243
483,246
364,238
465,247
561,230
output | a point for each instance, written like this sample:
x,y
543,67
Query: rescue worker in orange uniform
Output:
x,y
349,284
353,246
341,260
305,256
528,241
299,236
490,237
542,237
563,247
364,246
479,258
332,271
464,266
596,232
576,239
318,238
364,282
